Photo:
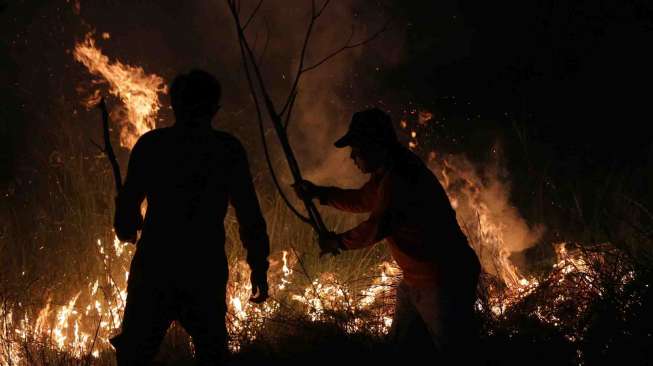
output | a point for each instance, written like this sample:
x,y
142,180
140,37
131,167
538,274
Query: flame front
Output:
x,y
137,90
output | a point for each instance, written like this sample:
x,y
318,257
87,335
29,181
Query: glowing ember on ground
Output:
x,y
424,117
84,324
326,296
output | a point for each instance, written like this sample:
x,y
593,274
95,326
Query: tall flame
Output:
x,y
137,90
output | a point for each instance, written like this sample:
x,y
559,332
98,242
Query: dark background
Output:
x,y
564,87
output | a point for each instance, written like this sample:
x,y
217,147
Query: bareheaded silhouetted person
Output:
x,y
188,173
409,208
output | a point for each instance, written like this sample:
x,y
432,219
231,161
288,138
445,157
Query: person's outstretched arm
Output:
x,y
358,200
128,219
253,231
377,225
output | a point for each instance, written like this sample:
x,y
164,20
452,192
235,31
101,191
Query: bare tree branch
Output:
x,y
255,43
302,55
97,146
313,221
291,105
258,6
280,121
267,42
347,46
319,12
314,215
243,46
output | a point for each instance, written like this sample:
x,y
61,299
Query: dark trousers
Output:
x,y
157,296
436,323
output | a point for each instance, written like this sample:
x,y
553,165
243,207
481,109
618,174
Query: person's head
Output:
x,y
371,137
195,97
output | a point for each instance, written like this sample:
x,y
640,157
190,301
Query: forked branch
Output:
x,y
280,120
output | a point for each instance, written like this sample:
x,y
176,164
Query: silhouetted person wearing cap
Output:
x,y
410,209
188,173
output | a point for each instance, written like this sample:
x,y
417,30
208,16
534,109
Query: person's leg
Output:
x,y
146,319
202,314
467,341
429,304
449,316
408,332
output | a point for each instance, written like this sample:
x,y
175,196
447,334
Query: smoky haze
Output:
x,y
329,94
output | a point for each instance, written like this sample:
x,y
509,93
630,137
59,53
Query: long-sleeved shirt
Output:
x,y
188,177
409,208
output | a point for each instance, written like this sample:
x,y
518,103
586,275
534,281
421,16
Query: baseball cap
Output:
x,y
368,126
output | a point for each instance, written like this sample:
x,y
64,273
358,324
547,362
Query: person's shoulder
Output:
x,y
157,133
229,142
225,137
151,137
408,166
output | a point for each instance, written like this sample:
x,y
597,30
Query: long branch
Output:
x,y
314,215
268,160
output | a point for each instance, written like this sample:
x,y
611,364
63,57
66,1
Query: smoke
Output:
x,y
494,227
327,95
323,110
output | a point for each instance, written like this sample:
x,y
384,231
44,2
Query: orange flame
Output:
x,y
137,90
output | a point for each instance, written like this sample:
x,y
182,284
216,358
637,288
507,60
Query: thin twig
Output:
x,y
639,205
347,46
98,146
97,332
267,42
302,55
258,6
291,105
319,12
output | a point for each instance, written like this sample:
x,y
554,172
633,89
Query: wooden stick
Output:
x,y
108,148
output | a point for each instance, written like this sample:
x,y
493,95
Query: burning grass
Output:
x,y
63,293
